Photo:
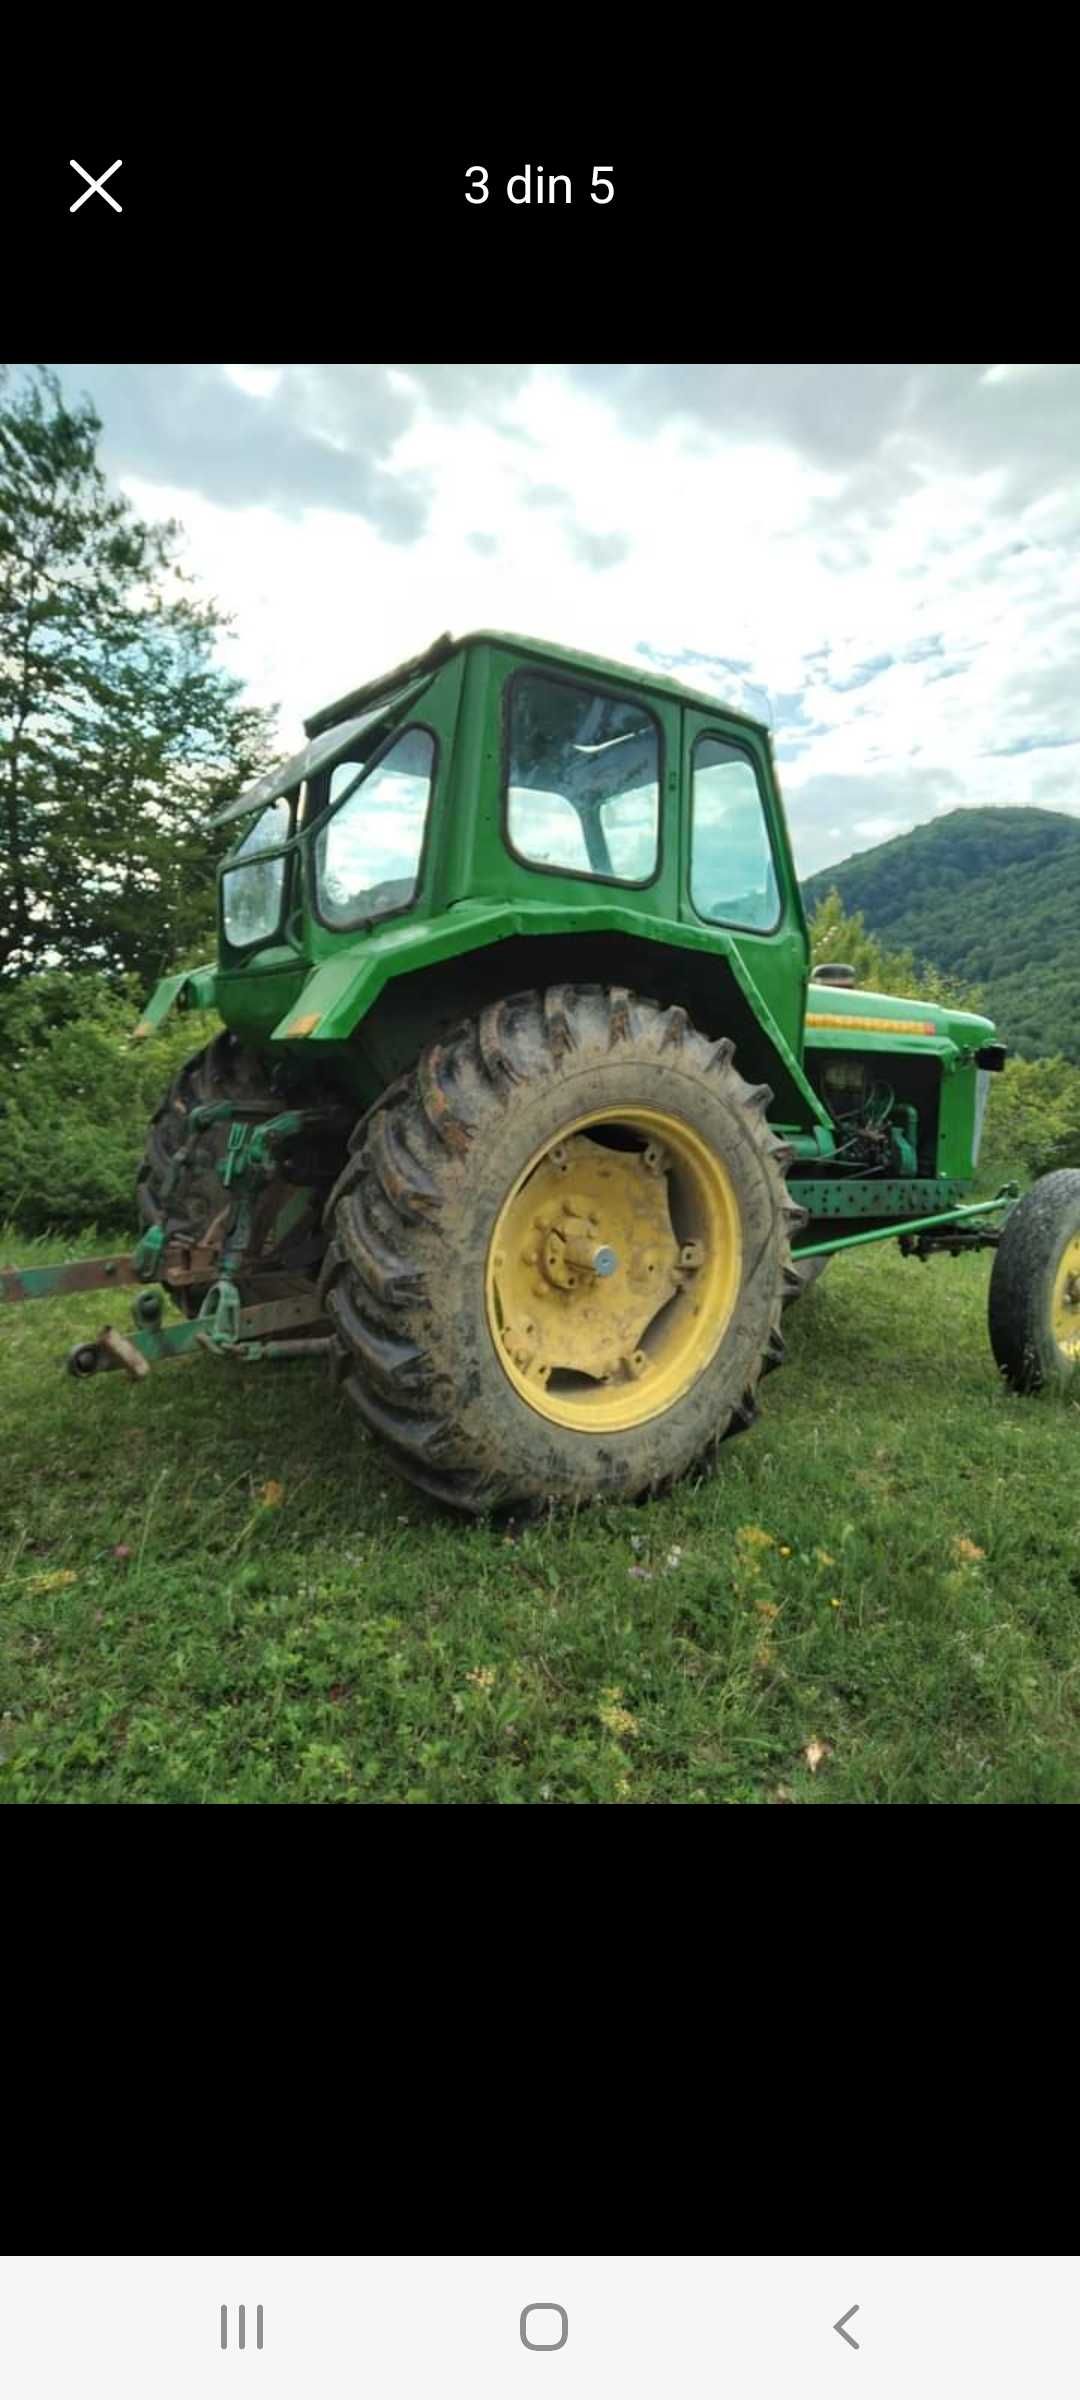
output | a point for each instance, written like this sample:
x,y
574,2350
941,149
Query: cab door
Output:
x,y
738,875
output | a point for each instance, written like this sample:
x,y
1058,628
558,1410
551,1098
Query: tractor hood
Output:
x,y
838,1009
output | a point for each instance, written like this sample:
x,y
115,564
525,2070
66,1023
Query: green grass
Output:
x,y
213,1589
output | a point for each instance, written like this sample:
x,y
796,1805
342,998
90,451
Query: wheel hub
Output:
x,y
587,1259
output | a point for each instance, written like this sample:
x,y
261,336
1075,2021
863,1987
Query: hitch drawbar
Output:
x,y
285,1322
289,1326
84,1275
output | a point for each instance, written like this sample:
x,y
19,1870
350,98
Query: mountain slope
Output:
x,y
991,895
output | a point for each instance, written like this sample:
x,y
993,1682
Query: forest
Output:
x,y
990,897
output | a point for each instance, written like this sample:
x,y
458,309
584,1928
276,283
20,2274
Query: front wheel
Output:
x,y
1034,1305
559,1253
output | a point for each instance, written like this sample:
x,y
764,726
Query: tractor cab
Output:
x,y
500,789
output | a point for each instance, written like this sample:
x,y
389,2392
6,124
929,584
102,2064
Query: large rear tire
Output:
x,y
559,1252
1034,1301
808,1271
197,1201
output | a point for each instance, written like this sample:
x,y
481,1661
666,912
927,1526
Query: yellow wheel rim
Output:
x,y
1065,1305
613,1270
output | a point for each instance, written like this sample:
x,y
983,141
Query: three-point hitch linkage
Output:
x,y
281,1320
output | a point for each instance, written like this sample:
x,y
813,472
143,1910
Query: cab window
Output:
x,y
582,781
732,874
370,841
253,884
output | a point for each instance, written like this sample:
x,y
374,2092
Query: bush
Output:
x,y
1033,1119
76,1097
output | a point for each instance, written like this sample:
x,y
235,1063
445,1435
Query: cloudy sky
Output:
x,y
884,560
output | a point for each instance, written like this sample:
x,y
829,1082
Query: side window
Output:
x,y
583,781
367,852
551,833
252,887
732,876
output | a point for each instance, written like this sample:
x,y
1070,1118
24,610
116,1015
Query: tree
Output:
x,y
837,937
1034,1117
119,730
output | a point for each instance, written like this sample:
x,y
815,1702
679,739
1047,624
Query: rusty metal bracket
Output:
x,y
141,1265
83,1275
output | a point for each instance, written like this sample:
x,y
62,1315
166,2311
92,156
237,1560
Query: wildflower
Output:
x,y
613,1718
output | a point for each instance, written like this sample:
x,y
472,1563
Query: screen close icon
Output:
x,y
95,183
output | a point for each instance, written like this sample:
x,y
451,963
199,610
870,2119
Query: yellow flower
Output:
x,y
615,1719
756,1538
482,1677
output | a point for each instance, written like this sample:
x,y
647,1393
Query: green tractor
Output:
x,y
528,1114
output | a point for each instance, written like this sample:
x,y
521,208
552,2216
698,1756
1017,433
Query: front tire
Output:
x,y
1034,1302
559,1253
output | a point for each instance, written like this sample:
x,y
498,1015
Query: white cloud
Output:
x,y
880,829
260,383
898,561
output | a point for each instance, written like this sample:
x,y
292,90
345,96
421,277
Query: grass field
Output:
x,y
212,1588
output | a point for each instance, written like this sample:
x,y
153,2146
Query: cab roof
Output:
x,y
617,670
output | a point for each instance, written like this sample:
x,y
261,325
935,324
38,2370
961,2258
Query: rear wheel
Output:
x,y
1034,1305
559,1253
188,1198
807,1270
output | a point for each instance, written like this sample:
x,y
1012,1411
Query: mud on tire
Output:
x,y
808,1271
410,1223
